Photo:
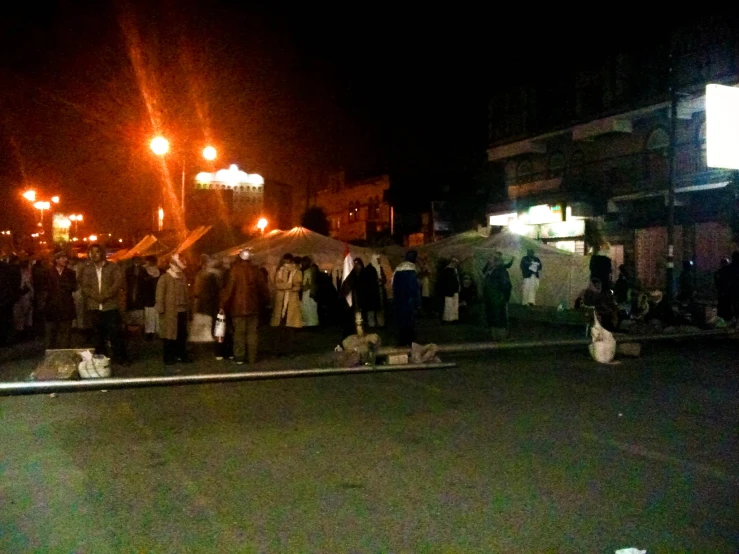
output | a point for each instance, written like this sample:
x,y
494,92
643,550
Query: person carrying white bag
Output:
x,y
207,291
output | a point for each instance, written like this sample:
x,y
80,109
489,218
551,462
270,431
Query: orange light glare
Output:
x,y
209,153
30,195
93,238
262,224
55,199
159,145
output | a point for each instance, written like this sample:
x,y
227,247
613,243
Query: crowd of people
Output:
x,y
626,306
99,299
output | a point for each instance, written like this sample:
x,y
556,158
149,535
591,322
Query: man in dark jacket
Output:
x,y
101,282
722,278
60,309
601,269
135,276
450,286
149,281
407,298
530,270
10,284
243,297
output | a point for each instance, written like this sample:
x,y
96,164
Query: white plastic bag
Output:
x,y
92,367
201,328
220,329
603,347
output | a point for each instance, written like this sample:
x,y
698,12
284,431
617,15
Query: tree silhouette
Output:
x,y
315,219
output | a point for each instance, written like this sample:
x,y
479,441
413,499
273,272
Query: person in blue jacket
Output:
x,y
407,298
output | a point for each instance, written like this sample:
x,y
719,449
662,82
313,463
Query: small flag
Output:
x,y
348,268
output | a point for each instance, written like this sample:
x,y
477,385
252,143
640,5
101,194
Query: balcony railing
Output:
x,y
621,175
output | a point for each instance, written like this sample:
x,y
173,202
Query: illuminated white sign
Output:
x,y
231,177
722,127
569,228
544,214
502,220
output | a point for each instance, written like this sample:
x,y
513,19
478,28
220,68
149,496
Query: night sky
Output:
x,y
288,93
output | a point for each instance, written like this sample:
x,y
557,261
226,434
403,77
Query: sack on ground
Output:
x,y
60,364
201,328
424,354
603,347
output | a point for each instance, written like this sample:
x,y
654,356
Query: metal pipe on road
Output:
x,y
43,387
452,348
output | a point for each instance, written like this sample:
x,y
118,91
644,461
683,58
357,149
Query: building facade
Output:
x,y
356,211
598,169
240,199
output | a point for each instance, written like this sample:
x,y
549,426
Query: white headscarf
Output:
x,y
375,261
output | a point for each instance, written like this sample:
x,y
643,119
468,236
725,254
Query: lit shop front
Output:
x,y
548,223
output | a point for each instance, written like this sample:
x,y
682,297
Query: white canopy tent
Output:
x,y
458,246
564,274
327,253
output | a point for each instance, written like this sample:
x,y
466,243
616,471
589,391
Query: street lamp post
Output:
x,y
75,219
160,146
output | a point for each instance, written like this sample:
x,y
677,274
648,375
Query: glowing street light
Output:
x,y
262,224
75,218
30,195
41,206
159,145
55,199
93,238
209,153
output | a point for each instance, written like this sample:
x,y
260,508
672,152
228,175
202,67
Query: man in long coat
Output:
x,y
286,310
172,304
407,298
450,287
245,294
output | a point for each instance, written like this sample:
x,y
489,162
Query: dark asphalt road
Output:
x,y
512,452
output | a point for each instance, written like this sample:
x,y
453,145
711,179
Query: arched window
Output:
x,y
351,211
556,165
377,207
658,141
371,209
524,172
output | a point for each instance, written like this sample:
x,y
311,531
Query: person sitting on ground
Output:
x,y
602,302
660,310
